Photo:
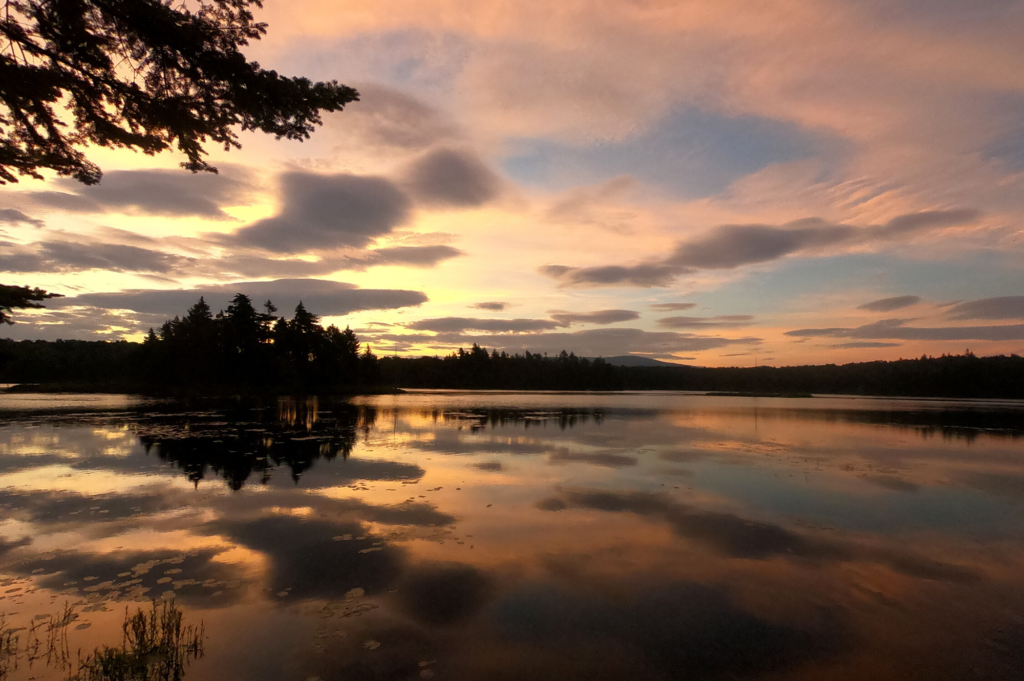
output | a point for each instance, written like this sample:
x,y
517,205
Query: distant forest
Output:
x,y
246,350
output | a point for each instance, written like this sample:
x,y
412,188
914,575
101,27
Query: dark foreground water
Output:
x,y
519,536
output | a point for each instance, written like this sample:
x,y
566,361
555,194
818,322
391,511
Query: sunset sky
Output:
x,y
715,183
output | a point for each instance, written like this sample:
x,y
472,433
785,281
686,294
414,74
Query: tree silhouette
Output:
x,y
140,74
20,297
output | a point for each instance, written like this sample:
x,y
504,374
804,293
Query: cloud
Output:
x,y
895,329
722,321
414,256
642,276
451,177
388,118
154,192
454,324
890,304
1003,307
673,307
596,317
13,217
732,246
328,211
558,319
494,306
65,256
320,297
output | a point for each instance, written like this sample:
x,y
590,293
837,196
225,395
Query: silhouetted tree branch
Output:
x,y
140,74
20,297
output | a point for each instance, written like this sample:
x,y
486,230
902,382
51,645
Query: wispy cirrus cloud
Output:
x,y
731,246
558,320
721,321
1001,307
890,304
320,296
170,193
12,216
897,329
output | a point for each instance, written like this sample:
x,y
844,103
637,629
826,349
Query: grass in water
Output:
x,y
156,646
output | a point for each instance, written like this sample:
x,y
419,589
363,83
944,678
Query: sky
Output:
x,y
717,183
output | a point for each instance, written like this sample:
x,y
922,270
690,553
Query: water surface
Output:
x,y
460,535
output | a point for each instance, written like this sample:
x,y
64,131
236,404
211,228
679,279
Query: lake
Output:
x,y
479,535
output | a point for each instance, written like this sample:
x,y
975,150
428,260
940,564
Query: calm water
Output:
x,y
456,535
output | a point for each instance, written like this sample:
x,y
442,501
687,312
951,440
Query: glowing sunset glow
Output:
x,y
783,169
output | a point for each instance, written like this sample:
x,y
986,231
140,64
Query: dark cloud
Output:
x,y
596,317
722,321
493,306
414,256
6,546
455,324
673,307
644,275
895,329
13,217
66,256
450,177
327,211
732,246
388,118
154,192
1003,307
890,304
320,296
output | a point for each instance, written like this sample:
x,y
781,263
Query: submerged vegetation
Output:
x,y
156,646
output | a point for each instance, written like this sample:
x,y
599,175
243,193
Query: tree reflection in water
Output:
x,y
238,442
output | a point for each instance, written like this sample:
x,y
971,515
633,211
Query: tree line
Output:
x,y
477,368
243,349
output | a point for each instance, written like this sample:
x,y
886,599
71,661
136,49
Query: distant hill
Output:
x,y
638,361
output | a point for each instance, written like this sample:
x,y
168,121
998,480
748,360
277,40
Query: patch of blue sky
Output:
x,y
779,290
1007,148
690,153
